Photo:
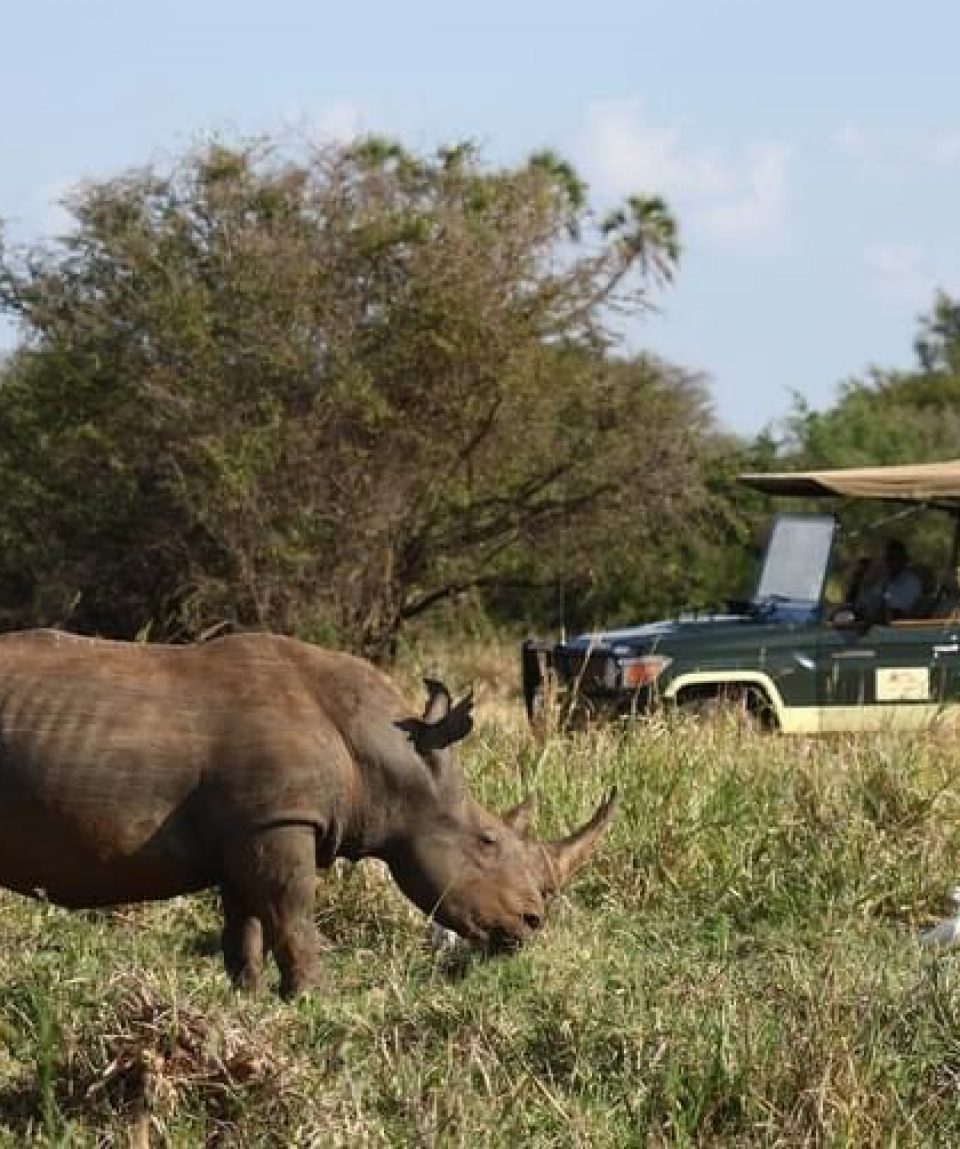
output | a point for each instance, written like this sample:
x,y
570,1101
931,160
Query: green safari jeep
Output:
x,y
798,655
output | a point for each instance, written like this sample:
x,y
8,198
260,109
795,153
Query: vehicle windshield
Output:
x,y
796,559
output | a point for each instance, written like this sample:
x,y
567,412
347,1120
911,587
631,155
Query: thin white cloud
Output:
x,y
944,147
338,122
757,211
733,198
852,140
898,273
896,150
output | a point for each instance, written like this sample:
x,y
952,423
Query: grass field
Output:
x,y
738,967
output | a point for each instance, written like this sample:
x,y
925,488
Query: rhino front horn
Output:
x,y
567,856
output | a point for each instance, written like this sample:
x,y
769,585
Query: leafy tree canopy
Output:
x,y
323,393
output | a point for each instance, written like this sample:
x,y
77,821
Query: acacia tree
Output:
x,y
327,392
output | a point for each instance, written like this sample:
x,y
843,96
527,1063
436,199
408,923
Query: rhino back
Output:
x,y
123,766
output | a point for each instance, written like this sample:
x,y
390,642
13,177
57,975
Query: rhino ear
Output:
x,y
441,725
438,701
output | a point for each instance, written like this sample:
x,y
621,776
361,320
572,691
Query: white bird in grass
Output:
x,y
946,933
442,938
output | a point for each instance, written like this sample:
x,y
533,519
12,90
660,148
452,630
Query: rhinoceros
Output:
x,y
131,772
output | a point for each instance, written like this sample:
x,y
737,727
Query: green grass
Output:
x,y
737,967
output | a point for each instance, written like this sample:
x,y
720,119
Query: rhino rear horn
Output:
x,y
442,724
569,854
520,817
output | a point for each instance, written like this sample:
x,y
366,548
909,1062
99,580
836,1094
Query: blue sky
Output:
x,y
811,150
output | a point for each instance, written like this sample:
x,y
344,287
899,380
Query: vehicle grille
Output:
x,y
587,672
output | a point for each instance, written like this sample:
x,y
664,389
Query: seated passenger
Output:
x,y
897,593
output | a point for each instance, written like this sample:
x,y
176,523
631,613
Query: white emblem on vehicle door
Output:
x,y
902,684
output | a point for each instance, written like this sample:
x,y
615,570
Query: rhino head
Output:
x,y
474,872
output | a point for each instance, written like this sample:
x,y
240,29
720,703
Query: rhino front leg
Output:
x,y
273,873
241,941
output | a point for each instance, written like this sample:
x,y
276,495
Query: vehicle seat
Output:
x,y
947,601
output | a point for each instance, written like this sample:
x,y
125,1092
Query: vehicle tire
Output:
x,y
743,703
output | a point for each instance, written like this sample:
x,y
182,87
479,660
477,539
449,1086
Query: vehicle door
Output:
x,y
898,675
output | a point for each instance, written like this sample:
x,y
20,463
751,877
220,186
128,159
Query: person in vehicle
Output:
x,y
898,591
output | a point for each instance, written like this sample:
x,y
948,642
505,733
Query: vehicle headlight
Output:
x,y
637,672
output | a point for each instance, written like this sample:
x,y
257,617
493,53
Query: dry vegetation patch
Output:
x,y
151,1056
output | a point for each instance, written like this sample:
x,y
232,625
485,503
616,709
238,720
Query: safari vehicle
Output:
x,y
794,655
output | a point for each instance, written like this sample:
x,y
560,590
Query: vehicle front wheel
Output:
x,y
735,702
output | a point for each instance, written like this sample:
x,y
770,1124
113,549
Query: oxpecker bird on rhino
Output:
x,y
131,772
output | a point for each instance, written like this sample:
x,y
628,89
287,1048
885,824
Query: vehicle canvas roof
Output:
x,y
934,483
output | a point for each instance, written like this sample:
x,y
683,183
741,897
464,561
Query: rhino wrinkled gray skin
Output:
x,y
131,772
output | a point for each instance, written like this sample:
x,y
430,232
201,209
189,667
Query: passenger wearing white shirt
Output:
x,y
897,594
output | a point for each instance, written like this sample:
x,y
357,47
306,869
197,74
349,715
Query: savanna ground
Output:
x,y
737,967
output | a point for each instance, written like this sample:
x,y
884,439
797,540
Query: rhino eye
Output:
x,y
488,838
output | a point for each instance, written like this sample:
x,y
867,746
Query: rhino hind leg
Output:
x,y
242,941
273,876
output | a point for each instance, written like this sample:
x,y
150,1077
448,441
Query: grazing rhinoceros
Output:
x,y
131,772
